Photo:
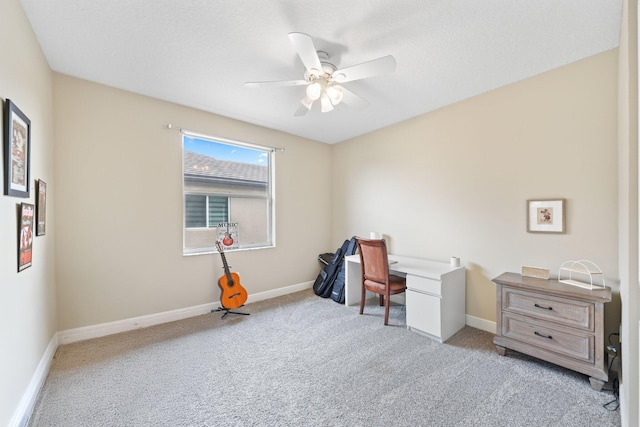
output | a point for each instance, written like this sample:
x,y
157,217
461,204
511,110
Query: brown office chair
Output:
x,y
374,265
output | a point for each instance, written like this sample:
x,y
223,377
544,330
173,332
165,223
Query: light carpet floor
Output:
x,y
300,360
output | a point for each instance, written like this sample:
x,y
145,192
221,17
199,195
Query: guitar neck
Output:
x,y
227,272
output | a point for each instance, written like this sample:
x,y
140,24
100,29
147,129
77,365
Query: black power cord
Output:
x,y
614,404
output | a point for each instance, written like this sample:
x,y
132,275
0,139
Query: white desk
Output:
x,y
435,296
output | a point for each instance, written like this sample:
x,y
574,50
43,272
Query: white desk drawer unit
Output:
x,y
553,321
436,306
435,296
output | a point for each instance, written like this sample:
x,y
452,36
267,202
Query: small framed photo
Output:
x,y
545,216
41,207
17,151
25,235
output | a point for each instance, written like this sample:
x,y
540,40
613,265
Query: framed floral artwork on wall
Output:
x,y
545,216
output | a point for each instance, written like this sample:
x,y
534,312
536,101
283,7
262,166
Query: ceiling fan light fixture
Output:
x,y
307,102
314,90
335,94
325,103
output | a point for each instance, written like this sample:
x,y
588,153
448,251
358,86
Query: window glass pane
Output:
x,y
251,213
195,212
218,210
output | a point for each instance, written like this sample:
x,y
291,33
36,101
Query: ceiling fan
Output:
x,y
324,81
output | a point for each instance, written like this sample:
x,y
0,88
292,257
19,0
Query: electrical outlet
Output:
x,y
620,334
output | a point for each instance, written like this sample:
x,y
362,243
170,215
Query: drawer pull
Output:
x,y
543,336
544,308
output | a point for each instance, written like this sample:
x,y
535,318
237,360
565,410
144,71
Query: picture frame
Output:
x,y
41,207
546,216
25,235
17,151
228,234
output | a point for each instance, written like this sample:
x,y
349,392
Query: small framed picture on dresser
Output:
x,y
546,216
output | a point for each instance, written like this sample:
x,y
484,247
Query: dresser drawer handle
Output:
x,y
544,308
543,336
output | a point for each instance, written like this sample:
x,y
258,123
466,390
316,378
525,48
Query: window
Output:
x,y
226,184
201,211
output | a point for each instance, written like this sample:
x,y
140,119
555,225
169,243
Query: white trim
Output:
x,y
27,402
623,404
482,324
110,328
118,326
279,292
95,331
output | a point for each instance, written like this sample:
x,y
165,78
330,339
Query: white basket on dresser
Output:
x,y
583,273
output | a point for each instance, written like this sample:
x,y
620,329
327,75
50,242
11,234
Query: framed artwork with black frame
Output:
x,y
25,235
545,216
41,207
17,151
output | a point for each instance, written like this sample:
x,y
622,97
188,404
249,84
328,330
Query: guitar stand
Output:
x,y
227,311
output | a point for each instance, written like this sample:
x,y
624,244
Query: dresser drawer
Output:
x,y
423,284
577,314
544,335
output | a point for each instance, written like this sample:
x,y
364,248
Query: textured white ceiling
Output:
x,y
199,53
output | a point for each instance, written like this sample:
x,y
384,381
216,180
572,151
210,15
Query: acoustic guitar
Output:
x,y
233,294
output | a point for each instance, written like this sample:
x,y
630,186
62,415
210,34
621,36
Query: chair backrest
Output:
x,y
373,259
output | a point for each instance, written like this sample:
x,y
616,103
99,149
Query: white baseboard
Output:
x,y
27,402
261,296
110,328
482,324
624,410
95,331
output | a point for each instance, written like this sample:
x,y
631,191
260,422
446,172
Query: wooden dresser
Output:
x,y
553,321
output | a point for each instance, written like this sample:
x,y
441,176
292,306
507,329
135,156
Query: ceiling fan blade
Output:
x,y
278,83
301,111
303,44
375,67
352,100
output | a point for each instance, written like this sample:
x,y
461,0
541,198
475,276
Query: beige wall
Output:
x,y
455,182
27,299
120,207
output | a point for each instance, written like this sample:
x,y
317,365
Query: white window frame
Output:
x,y
271,195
